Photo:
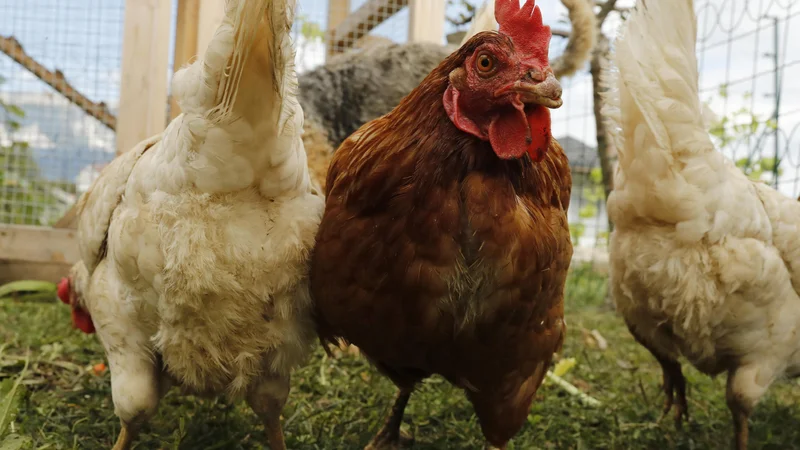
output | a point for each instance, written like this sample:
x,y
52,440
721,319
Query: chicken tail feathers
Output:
x,y
247,69
242,121
582,39
655,117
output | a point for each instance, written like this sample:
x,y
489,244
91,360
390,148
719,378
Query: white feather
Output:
x,y
704,262
209,226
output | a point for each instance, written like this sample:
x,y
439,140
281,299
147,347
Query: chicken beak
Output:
x,y
545,92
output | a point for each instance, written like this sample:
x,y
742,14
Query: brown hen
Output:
x,y
444,246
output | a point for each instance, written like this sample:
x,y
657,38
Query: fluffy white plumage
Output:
x,y
704,262
196,242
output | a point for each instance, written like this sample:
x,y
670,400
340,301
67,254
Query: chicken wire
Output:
x,y
745,56
48,143
326,28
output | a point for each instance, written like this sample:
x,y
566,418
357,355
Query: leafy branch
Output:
x,y
743,124
464,17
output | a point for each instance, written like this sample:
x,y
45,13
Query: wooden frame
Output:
x,y
361,21
37,253
145,59
211,14
338,10
426,21
186,28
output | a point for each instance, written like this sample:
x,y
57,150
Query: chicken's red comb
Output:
x,y
524,26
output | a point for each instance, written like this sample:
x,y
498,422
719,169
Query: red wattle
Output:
x,y
82,320
515,132
63,290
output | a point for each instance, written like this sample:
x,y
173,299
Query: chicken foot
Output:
x,y
267,399
674,383
390,437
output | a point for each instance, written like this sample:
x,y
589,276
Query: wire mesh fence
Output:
x,y
750,80
59,83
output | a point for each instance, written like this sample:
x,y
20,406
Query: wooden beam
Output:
x,y
145,66
426,21
55,79
38,244
26,270
185,42
338,10
211,14
362,21
69,220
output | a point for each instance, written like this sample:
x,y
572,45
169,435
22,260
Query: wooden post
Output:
x,y
212,12
338,10
426,21
145,65
185,42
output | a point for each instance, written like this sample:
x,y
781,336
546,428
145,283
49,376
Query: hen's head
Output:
x,y
68,294
503,89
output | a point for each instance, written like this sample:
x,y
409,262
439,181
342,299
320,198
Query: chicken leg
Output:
x,y
745,387
674,384
390,437
126,436
267,399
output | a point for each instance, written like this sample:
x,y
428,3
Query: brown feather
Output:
x,y
434,256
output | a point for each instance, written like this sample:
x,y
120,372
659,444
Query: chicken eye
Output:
x,y
485,63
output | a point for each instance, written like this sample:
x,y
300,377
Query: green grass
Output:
x,y
339,403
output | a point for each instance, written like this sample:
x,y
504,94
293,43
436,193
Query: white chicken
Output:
x,y
705,263
194,245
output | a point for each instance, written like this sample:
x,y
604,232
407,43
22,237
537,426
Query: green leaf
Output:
x,y
15,110
10,396
743,163
576,230
26,287
596,176
771,124
587,212
767,164
15,442
723,90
